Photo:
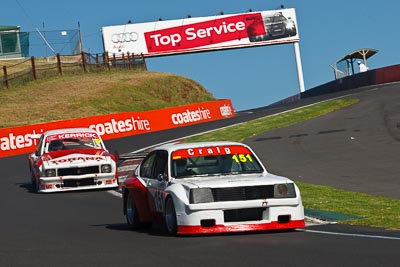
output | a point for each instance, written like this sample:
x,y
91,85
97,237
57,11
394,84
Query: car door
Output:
x,y
158,182
145,173
34,158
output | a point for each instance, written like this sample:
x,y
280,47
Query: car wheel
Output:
x,y
33,182
33,179
170,217
132,216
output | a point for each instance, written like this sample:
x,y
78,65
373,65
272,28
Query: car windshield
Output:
x,y
273,19
72,141
229,160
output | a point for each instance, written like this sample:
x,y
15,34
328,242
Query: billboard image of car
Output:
x,y
275,26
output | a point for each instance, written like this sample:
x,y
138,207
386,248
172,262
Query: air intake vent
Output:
x,y
243,193
78,171
242,215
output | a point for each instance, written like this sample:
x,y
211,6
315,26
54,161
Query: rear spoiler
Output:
x,y
130,156
133,156
35,136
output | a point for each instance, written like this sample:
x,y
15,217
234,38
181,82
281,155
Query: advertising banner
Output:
x,y
20,140
202,33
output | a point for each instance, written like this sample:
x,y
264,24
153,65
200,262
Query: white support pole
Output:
x,y
299,67
45,41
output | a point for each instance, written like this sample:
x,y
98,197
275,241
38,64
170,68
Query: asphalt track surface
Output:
x,y
356,149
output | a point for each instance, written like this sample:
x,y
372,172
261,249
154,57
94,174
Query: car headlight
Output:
x,y
200,195
106,168
290,25
50,173
284,191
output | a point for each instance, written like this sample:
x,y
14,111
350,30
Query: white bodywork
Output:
x,y
82,163
209,200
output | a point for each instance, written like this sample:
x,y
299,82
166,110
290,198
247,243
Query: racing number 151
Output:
x,y
242,158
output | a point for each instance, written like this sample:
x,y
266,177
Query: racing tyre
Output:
x,y
132,216
170,217
34,184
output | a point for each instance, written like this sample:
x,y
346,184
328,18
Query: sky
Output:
x,y
250,77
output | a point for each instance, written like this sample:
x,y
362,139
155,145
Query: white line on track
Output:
x,y
221,128
349,234
115,193
119,194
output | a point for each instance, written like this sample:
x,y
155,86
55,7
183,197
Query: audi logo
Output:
x,y
124,37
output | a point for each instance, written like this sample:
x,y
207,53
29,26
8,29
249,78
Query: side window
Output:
x,y
146,166
160,165
39,146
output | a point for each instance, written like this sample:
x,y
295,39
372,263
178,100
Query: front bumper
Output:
x,y
79,182
239,220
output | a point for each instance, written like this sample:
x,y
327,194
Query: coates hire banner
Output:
x,y
202,33
19,140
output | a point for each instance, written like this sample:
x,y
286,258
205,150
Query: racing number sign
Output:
x,y
242,158
156,191
159,200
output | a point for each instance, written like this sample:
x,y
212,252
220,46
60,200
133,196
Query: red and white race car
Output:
x,y
72,159
209,187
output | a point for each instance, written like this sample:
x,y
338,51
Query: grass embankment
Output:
x,y
76,96
372,210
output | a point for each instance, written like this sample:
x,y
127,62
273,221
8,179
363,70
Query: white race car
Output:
x,y
209,187
72,159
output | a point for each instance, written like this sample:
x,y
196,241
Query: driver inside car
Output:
x,y
181,168
56,145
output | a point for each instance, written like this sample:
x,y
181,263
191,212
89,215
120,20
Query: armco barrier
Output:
x,y
18,140
372,77
342,84
387,74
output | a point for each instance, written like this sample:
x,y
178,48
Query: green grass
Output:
x,y
371,210
245,130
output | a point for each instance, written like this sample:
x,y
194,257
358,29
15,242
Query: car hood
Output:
x,y
232,180
76,157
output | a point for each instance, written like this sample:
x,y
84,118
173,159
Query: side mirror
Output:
x,y
162,178
117,156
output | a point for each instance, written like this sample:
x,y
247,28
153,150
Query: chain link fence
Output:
x,y
28,56
15,44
